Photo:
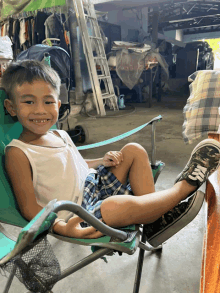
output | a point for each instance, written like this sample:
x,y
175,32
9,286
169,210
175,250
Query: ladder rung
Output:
x,y
107,96
95,38
87,13
88,16
100,58
103,76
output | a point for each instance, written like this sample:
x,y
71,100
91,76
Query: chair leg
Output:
x,y
10,279
139,266
33,292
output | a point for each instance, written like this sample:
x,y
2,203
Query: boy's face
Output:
x,y
36,106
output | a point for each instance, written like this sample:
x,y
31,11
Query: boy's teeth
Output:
x,y
39,121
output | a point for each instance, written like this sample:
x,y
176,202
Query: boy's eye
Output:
x,y
28,102
49,102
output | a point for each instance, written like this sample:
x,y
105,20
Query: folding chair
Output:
x,y
30,256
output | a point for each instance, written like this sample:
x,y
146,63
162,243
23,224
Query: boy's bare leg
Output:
x,y
123,210
136,165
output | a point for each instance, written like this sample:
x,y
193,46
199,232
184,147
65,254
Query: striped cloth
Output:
x,y
202,112
99,186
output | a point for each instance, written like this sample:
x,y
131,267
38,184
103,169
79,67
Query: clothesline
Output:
x,y
25,14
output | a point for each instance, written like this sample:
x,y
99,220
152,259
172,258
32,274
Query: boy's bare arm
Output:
x,y
94,163
112,158
19,171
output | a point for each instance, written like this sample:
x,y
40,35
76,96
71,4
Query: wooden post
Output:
x,y
72,22
210,274
159,84
155,25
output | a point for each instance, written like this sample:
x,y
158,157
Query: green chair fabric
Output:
x,y
6,245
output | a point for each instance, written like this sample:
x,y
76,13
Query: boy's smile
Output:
x,y
36,106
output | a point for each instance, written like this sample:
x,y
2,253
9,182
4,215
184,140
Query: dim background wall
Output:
x,y
130,21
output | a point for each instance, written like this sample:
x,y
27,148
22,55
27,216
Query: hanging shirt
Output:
x,y
54,29
58,173
10,31
39,26
16,40
22,32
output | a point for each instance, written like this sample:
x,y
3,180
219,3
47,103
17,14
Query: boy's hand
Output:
x,y
112,159
73,229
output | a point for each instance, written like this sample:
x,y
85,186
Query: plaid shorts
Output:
x,y
99,186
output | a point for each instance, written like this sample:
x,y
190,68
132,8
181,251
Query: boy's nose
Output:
x,y
39,109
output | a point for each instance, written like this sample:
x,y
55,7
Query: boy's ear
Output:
x,y
9,107
59,104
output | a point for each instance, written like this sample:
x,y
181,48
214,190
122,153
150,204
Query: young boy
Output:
x,y
43,164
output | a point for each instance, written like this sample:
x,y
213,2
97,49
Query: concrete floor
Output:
x,y
177,268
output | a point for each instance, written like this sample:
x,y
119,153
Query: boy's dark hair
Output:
x,y
23,71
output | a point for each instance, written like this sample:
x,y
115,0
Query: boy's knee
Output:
x,y
108,207
118,211
134,148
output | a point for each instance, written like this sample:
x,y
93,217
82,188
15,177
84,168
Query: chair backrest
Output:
x,y
9,129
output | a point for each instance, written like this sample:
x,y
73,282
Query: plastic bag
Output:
x,y
5,48
129,66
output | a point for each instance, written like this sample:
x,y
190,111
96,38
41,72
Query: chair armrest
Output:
x,y
87,217
121,136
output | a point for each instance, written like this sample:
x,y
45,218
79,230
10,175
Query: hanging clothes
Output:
x,y
2,30
54,29
29,29
6,29
26,29
39,26
10,32
34,33
16,40
22,32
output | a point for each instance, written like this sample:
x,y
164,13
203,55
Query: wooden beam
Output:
x,y
200,31
155,25
204,23
185,17
191,8
150,3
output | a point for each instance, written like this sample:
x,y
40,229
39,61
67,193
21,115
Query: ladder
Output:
x,y
95,56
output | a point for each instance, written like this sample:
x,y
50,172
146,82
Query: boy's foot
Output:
x,y
174,220
203,162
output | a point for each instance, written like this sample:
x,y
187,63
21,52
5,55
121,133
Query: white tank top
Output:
x,y
58,173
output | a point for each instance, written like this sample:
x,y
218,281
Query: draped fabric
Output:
x,y
201,112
